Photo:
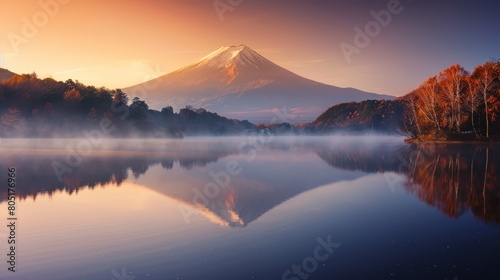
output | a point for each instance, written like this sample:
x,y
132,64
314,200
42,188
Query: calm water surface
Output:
x,y
253,208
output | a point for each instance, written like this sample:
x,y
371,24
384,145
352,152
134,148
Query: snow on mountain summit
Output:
x,y
233,55
227,70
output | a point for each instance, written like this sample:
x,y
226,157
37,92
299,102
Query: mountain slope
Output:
x,y
378,115
238,82
5,74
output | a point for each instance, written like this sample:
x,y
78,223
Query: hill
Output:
x,y
33,107
370,115
5,74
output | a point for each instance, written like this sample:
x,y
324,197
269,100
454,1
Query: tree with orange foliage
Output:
x,y
486,79
473,100
72,96
429,102
454,85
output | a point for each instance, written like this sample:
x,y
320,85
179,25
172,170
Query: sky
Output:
x,y
119,43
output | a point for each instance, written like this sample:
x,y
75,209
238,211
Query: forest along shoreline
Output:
x,y
453,106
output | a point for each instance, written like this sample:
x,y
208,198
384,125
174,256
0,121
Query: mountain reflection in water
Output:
x,y
450,177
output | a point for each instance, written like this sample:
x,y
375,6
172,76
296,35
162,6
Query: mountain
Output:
x,y
237,82
5,74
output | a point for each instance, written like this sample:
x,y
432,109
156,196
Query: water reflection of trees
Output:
x,y
37,176
451,177
366,158
457,178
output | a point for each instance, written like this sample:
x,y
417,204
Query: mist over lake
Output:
x,y
255,207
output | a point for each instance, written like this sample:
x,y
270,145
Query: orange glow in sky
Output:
x,y
119,43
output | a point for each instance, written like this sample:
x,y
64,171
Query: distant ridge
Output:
x,y
369,115
5,74
237,82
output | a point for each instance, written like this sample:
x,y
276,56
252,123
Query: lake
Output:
x,y
252,208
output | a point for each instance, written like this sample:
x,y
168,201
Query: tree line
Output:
x,y
34,107
455,105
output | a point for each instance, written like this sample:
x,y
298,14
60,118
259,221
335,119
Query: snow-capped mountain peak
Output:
x,y
232,55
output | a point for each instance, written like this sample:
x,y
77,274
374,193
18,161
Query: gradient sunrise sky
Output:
x,y
118,43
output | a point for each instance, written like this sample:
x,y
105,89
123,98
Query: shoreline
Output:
x,y
441,141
